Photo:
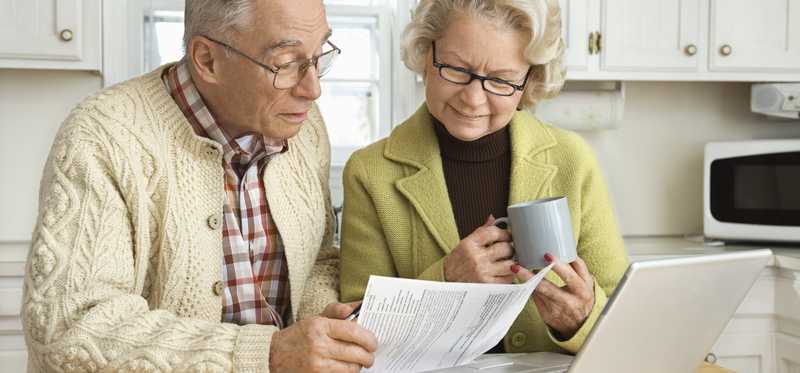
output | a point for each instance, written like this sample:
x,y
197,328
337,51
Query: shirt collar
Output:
x,y
243,149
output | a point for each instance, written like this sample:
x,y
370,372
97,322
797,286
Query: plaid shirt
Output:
x,y
254,266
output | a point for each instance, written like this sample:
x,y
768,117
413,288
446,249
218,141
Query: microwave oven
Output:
x,y
751,191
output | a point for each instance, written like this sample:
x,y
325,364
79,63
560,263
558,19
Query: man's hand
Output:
x,y
339,311
325,343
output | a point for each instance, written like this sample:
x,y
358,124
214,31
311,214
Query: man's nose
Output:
x,y
309,86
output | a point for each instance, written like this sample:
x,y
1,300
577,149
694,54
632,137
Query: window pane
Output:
x,y
163,38
356,38
170,41
349,109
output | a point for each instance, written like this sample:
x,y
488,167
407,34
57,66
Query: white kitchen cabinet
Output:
x,y
683,40
50,34
787,309
787,353
760,36
761,336
13,356
747,343
745,353
576,21
651,35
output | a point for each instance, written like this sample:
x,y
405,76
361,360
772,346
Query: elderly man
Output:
x,y
185,221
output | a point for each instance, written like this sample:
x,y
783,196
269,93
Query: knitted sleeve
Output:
x,y
322,286
82,311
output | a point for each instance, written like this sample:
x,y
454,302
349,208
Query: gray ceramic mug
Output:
x,y
539,227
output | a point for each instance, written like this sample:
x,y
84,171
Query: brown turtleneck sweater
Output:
x,y
477,174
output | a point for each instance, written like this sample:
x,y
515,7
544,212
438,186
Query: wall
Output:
x,y
33,103
32,106
654,160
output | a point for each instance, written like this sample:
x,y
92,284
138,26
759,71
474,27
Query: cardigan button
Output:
x,y
518,339
214,222
212,151
218,288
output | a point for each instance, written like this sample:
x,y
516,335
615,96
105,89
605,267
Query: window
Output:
x,y
356,99
163,37
357,93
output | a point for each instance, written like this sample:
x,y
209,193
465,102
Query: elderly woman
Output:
x,y
420,204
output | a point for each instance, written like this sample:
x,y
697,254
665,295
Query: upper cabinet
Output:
x,y
671,40
650,35
576,21
682,40
751,35
50,34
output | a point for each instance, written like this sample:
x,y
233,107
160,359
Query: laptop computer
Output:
x,y
664,317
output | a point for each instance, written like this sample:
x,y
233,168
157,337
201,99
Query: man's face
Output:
x,y
281,32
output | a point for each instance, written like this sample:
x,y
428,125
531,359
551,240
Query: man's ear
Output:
x,y
204,55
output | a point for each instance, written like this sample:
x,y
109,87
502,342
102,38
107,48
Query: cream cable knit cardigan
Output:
x,y
128,244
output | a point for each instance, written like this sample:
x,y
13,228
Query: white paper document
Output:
x,y
425,325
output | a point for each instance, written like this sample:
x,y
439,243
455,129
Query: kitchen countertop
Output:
x,y
643,248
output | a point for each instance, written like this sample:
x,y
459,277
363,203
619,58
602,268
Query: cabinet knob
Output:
x,y
592,43
66,34
599,42
711,358
726,50
690,50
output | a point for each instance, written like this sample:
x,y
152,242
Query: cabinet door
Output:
x,y
787,353
651,35
50,34
762,36
13,356
575,23
745,352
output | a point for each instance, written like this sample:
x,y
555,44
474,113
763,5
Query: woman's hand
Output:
x,y
483,256
563,309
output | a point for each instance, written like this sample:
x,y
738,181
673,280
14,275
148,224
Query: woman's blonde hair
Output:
x,y
540,20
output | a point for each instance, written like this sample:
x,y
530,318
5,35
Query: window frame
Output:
x,y
382,15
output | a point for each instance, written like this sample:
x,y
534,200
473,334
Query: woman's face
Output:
x,y
468,111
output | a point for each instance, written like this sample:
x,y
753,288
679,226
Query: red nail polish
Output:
x,y
514,268
548,257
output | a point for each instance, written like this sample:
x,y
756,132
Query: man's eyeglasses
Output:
x,y
462,76
289,75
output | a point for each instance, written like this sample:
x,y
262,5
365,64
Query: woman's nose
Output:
x,y
473,93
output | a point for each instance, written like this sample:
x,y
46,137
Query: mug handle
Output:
x,y
499,221
508,228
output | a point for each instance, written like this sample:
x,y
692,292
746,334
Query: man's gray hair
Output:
x,y
216,18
